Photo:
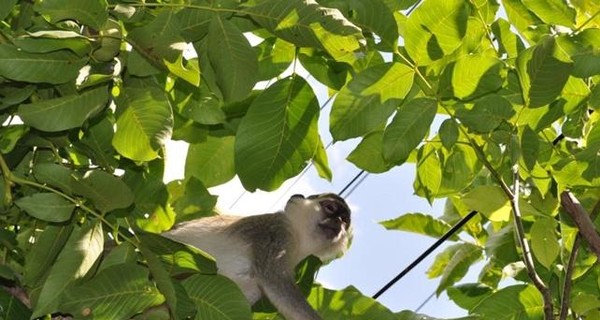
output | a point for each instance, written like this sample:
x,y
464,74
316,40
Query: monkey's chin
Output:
x,y
330,228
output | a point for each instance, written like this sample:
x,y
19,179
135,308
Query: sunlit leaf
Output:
x,y
489,200
544,241
348,303
145,123
93,13
419,223
448,133
278,135
514,302
475,75
306,24
486,114
409,126
118,292
458,265
368,155
543,71
211,161
77,257
234,61
436,28
552,11
468,295
368,100
216,297
508,42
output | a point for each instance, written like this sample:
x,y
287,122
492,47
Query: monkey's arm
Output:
x,y
283,293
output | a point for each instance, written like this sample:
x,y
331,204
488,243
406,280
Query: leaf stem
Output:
x,y
526,251
8,184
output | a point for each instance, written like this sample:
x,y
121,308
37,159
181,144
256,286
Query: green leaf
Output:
x,y
436,28
368,155
428,182
55,40
508,41
552,11
522,19
489,200
195,202
442,259
47,206
118,292
6,8
408,128
474,75
179,258
278,135
145,123
53,67
189,71
487,113
348,303
274,57
306,24
106,191
93,13
521,302
543,71
530,145
13,95
321,162
216,297
544,241
583,50
448,133
234,61
375,16
43,253
327,71
96,143
468,295
159,39
368,100
211,161
64,113
76,258
458,265
123,253
10,136
419,223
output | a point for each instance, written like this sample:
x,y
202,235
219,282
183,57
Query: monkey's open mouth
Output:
x,y
330,227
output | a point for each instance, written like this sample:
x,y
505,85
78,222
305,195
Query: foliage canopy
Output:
x,y
496,104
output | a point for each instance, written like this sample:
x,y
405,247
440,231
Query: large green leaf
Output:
x,y
583,50
458,265
274,57
419,223
436,28
53,67
552,11
486,114
368,100
145,123
522,302
159,39
544,241
54,40
93,13
468,295
306,24
47,206
211,161
474,75
408,128
44,251
368,155
508,42
233,59
522,19
117,292
489,200
278,135
77,257
64,113
543,71
375,16
216,297
348,303
12,307
194,202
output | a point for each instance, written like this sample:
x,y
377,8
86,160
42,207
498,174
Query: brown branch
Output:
x,y
582,220
566,294
526,251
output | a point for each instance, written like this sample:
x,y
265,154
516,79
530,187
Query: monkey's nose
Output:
x,y
297,196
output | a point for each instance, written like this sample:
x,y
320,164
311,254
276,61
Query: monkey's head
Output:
x,y
321,221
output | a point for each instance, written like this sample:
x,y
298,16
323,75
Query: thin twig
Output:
x,y
526,251
566,293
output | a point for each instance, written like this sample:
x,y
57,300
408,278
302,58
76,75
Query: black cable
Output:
x,y
426,253
341,193
356,185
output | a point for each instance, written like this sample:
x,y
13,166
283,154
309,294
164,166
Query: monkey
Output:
x,y
259,253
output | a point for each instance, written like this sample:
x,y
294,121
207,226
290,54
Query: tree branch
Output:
x,y
582,220
526,251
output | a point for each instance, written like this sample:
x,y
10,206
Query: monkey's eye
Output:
x,y
330,207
